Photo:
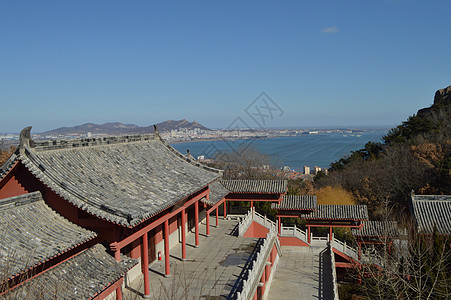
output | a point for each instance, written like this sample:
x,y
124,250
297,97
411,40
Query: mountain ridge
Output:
x,y
118,128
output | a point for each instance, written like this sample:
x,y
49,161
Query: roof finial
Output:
x,y
25,138
157,132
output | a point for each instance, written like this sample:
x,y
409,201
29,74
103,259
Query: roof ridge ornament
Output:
x,y
156,131
25,138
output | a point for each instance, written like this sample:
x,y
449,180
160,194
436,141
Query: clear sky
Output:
x,y
325,63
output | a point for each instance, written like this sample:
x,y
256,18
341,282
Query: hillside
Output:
x,y
117,128
414,156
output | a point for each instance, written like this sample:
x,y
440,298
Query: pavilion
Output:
x,y
305,207
376,233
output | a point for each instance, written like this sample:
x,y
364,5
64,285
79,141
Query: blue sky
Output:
x,y
325,63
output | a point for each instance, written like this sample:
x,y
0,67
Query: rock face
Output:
x,y
443,96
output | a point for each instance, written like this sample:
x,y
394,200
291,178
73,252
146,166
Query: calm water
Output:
x,y
311,150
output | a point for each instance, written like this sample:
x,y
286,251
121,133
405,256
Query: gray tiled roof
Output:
x,y
255,186
338,212
124,179
377,229
32,233
432,210
81,277
296,202
217,193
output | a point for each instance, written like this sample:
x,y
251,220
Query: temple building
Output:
x,y
91,215
135,192
431,212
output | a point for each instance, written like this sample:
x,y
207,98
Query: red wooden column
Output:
x,y
252,204
119,293
196,223
145,264
208,223
308,234
217,217
183,234
225,209
166,249
279,225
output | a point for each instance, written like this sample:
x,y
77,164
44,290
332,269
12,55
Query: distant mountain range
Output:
x,y
117,128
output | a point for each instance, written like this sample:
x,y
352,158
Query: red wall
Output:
x,y
14,184
173,226
291,241
256,230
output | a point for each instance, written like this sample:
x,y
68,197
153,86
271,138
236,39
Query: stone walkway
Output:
x,y
302,273
214,270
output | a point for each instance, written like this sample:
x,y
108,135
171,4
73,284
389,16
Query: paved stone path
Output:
x,y
302,273
214,270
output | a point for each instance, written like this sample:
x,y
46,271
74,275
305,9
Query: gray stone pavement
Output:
x,y
302,273
214,270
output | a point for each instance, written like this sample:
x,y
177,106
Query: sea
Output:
x,y
294,151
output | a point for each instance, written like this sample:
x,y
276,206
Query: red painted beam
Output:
x,y
248,199
139,233
332,225
287,216
345,265
216,205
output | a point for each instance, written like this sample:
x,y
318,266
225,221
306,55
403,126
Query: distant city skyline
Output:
x,y
323,63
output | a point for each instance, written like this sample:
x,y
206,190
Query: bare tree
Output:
x,y
417,268
245,163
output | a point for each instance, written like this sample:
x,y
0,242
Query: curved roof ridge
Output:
x,y
188,159
50,145
431,198
9,163
11,202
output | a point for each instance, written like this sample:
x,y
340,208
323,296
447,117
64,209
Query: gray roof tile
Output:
x,y
255,186
377,229
296,202
32,233
338,212
432,210
217,193
124,180
81,277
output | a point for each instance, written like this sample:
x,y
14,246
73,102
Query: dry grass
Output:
x,y
334,195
